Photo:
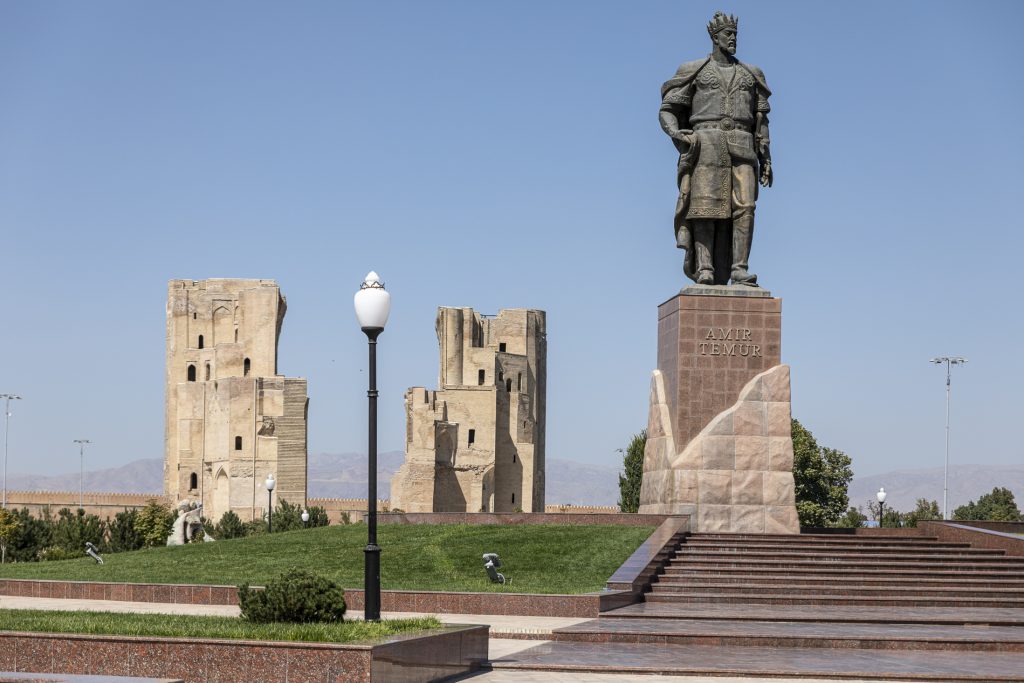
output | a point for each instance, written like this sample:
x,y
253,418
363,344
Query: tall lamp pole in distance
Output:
x,y
270,483
7,428
81,471
373,304
949,362
881,507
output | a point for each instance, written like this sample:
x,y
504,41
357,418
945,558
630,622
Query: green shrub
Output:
x,y
294,596
154,524
287,517
123,532
33,535
318,517
229,526
58,553
73,530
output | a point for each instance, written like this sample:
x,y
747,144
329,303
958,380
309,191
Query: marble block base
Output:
x,y
736,474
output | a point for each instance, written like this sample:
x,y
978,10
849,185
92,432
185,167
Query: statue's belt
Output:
x,y
723,124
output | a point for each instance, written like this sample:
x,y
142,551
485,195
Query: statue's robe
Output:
x,y
716,159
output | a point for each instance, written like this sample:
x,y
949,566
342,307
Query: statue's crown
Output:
x,y
721,21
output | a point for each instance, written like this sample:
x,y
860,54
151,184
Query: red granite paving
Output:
x,y
649,658
888,636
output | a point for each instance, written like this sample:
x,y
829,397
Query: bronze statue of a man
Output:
x,y
716,112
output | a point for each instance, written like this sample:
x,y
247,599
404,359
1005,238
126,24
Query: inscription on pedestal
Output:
x,y
709,347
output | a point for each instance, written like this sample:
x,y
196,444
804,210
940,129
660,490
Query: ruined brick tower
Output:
x,y
230,418
477,443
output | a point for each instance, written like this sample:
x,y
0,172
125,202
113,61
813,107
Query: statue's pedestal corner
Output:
x,y
725,290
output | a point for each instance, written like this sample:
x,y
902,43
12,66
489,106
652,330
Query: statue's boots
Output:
x,y
742,234
703,246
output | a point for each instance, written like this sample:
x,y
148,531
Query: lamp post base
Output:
x,y
371,583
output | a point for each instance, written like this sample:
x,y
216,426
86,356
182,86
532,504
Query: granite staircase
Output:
x,y
882,607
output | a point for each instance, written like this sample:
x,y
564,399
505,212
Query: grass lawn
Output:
x,y
187,626
537,558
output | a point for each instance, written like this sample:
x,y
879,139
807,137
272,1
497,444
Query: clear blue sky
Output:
x,y
505,155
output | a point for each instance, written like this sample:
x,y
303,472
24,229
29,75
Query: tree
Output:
x,y
633,471
822,476
9,526
923,511
34,535
998,506
73,530
154,523
853,519
123,532
229,526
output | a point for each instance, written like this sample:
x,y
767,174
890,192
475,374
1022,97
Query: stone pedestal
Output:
x,y
719,446
712,340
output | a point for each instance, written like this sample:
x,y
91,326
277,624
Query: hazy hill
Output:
x,y
966,482
331,475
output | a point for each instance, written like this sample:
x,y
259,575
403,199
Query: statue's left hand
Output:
x,y
766,173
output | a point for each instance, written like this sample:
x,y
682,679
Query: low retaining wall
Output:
x,y
954,532
429,602
424,656
648,561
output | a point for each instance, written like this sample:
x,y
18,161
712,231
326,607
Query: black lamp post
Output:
x,y
881,507
373,303
270,502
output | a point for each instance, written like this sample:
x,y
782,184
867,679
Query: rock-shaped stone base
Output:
x,y
736,475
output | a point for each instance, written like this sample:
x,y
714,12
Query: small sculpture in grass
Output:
x,y
296,596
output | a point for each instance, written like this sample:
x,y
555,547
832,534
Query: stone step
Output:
x,y
848,564
717,632
996,556
820,599
835,614
842,588
792,662
839,541
799,538
949,549
840,573
782,579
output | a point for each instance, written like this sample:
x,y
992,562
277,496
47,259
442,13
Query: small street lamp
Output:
x,y
949,362
305,516
7,428
270,483
81,473
881,506
373,304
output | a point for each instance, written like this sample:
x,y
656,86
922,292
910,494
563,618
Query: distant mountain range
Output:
x,y
966,483
332,475
344,476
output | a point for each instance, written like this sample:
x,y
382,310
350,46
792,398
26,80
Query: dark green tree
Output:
x,y
33,536
822,476
317,517
998,506
73,530
287,517
632,474
122,532
229,526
